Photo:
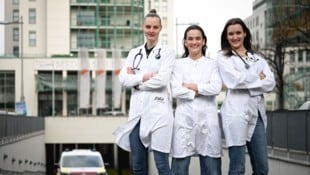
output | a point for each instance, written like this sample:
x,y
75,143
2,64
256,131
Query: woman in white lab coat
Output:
x,y
195,84
148,72
247,77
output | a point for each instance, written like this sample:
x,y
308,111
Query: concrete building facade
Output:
x,y
43,39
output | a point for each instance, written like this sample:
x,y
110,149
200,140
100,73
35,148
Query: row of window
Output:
x,y
300,69
32,15
16,2
32,35
32,40
300,56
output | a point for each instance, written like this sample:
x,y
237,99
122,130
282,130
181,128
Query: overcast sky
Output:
x,y
211,16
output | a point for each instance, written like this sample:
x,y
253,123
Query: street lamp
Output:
x,y
176,31
20,22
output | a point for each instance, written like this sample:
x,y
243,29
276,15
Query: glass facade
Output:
x,y
7,91
103,24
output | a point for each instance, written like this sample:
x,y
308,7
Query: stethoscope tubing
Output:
x,y
140,55
250,56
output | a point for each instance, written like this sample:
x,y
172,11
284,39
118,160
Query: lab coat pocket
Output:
x,y
159,104
237,106
235,128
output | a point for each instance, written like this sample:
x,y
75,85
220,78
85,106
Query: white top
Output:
x,y
196,124
244,96
150,104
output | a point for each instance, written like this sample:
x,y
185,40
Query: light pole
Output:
x,y
53,90
20,22
176,31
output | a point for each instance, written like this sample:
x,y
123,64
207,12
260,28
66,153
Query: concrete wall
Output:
x,y
26,154
81,129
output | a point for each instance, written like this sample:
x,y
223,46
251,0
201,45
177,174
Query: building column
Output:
x,y
93,94
64,96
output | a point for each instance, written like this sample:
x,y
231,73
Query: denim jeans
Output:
x,y
139,156
257,149
208,166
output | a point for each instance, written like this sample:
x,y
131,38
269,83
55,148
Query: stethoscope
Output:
x,y
250,57
138,57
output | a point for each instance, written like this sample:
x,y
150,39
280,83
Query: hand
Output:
x,y
148,76
130,70
262,75
191,86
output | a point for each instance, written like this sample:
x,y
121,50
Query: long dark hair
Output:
x,y
204,47
247,40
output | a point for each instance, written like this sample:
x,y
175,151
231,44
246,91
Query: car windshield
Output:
x,y
81,161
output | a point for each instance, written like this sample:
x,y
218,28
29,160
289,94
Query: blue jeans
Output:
x,y
139,156
257,149
208,165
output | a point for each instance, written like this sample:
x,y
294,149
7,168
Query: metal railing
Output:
x,y
16,125
288,135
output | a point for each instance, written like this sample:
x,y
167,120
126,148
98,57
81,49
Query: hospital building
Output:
x,y
40,62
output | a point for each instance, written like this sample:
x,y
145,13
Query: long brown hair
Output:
x,y
225,46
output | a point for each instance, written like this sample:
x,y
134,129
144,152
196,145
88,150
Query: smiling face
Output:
x,y
151,28
194,42
235,36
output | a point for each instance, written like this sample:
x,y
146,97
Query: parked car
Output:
x,y
114,113
305,106
81,162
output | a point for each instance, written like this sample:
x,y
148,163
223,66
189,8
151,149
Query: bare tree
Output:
x,y
289,26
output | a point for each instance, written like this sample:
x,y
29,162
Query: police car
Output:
x,y
81,162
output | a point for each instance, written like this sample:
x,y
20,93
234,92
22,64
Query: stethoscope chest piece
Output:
x,y
157,56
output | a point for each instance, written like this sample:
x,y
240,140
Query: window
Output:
x,y
164,39
15,34
301,69
257,36
15,15
86,39
300,55
15,2
72,95
165,22
106,20
308,56
105,42
7,91
269,105
156,4
45,91
32,16
32,38
292,70
292,56
164,6
16,51
86,17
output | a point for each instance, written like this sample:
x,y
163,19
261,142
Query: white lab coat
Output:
x,y
244,96
196,123
151,104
